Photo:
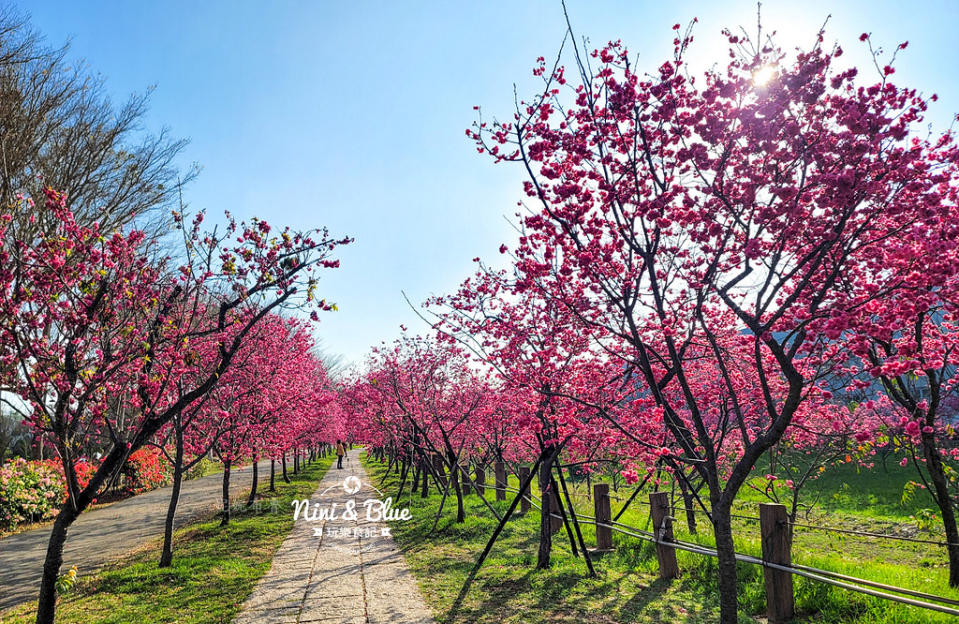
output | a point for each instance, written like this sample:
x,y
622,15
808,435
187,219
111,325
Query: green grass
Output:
x,y
214,568
204,468
508,589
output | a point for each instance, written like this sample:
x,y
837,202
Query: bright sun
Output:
x,y
763,75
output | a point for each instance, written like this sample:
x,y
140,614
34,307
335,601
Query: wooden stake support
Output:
x,y
777,548
604,534
524,504
663,530
499,469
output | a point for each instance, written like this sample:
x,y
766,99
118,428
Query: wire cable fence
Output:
x,y
811,527
911,597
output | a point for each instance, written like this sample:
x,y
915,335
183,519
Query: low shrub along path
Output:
x,y
351,573
102,535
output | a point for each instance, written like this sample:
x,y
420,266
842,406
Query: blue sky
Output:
x,y
352,114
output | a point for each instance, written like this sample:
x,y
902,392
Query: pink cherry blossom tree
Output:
x,y
89,316
720,218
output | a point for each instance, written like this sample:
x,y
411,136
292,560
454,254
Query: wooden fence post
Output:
x,y
604,534
556,514
479,485
774,529
663,530
524,504
499,469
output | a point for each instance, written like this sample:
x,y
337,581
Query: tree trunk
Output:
x,y
688,504
225,518
545,520
728,599
70,511
405,472
272,475
455,477
47,605
166,555
416,474
425,469
944,501
286,477
256,478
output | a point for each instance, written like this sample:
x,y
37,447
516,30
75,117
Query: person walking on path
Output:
x,y
340,452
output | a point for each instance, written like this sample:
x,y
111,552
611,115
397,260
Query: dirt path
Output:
x,y
102,535
357,578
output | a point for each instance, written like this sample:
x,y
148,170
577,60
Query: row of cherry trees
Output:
x,y
116,346
756,263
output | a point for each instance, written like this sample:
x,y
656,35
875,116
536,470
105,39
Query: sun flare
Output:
x,y
763,75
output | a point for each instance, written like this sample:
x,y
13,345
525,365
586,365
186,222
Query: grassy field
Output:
x,y
627,589
214,568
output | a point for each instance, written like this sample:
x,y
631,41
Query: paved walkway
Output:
x,y
102,535
357,578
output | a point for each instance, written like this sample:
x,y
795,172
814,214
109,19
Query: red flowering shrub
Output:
x,y
82,468
145,470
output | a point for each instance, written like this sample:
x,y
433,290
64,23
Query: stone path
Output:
x,y
102,535
332,578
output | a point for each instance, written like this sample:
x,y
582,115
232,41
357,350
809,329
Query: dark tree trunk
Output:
x,y
725,548
425,469
688,504
545,520
406,470
455,478
225,518
69,512
47,606
272,475
416,475
256,478
286,477
166,555
944,501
